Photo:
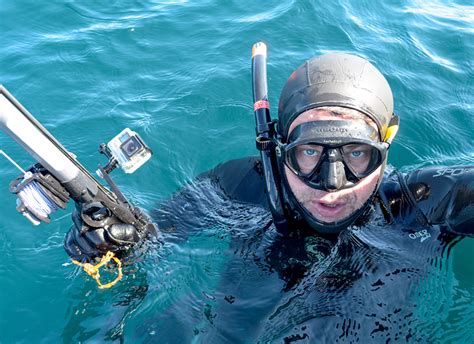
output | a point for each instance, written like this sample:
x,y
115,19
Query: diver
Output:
x,y
355,238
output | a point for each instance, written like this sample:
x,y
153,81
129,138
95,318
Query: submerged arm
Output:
x,y
445,195
218,190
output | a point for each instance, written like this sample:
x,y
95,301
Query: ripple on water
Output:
x,y
269,13
451,15
435,57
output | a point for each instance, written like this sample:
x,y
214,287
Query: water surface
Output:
x,y
178,72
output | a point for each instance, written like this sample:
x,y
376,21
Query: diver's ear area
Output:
x,y
392,129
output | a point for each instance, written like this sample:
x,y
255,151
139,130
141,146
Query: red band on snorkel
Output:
x,y
261,104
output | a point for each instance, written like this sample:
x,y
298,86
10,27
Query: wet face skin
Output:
x,y
328,207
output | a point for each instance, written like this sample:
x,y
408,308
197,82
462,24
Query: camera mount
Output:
x,y
112,163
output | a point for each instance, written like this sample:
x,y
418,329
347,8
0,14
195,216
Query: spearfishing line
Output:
x,y
32,195
36,200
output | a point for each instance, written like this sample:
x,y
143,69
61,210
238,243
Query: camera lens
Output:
x,y
131,146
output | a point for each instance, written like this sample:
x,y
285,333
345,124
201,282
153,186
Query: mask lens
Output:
x,y
362,159
304,158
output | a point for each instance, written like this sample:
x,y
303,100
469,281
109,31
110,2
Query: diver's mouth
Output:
x,y
327,210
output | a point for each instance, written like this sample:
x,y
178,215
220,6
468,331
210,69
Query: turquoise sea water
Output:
x,y
178,72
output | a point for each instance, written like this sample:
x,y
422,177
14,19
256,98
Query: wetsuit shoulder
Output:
x,y
241,180
434,195
445,195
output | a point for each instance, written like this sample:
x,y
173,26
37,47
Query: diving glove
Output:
x,y
86,242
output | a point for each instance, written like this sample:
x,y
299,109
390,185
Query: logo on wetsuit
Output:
x,y
423,235
450,172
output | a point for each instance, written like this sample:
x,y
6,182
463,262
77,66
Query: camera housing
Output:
x,y
129,150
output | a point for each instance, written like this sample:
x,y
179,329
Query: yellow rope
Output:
x,y
93,270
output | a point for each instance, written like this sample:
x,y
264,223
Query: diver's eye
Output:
x,y
358,157
304,158
357,154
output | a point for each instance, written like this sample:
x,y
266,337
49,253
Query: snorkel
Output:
x,y
265,130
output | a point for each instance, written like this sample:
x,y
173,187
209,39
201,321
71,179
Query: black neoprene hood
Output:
x,y
336,79
341,80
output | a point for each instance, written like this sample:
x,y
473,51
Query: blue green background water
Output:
x,y
178,72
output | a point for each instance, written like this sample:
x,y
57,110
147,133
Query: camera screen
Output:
x,y
131,146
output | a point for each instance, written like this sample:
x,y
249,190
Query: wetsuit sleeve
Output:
x,y
445,196
212,194
241,180
186,212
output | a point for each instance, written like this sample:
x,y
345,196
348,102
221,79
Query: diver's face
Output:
x,y
337,205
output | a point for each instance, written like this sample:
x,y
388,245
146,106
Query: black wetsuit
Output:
x,y
371,283
384,279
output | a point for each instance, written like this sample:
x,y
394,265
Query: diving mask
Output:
x,y
333,155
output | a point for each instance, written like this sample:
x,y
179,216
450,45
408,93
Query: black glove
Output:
x,y
84,242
